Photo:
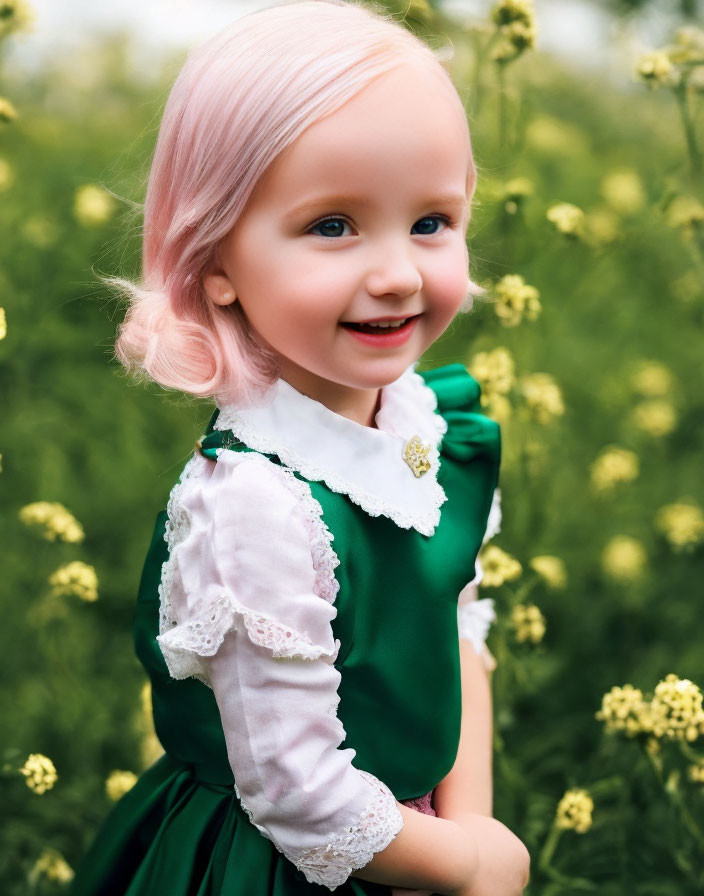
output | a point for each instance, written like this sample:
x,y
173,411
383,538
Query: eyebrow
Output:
x,y
338,199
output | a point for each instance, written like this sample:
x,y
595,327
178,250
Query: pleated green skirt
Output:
x,y
175,835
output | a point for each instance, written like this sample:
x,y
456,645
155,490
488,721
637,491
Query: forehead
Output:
x,y
404,133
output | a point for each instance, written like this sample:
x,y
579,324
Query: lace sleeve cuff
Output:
x,y
350,849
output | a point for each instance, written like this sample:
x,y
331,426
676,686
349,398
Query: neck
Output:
x,y
360,405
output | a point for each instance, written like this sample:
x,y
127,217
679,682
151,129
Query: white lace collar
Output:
x,y
364,463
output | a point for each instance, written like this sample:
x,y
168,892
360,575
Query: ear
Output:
x,y
219,289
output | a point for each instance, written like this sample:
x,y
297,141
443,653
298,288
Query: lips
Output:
x,y
384,332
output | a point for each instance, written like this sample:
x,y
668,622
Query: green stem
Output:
x,y
500,75
676,799
548,850
695,160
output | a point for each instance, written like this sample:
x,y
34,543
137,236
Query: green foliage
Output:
x,y
79,433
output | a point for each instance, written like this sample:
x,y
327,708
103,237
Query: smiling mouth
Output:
x,y
381,326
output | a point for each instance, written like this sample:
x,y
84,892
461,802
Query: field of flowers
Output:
x,y
588,237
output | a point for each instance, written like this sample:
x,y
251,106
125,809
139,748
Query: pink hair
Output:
x,y
240,100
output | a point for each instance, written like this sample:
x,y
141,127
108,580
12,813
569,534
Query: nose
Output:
x,y
393,271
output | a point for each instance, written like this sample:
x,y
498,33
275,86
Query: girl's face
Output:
x,y
361,222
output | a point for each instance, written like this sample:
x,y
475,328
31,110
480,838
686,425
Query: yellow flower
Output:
x,y
516,299
52,865
506,12
15,16
656,69
685,213
623,709
652,378
118,783
543,396
624,558
75,578
494,371
696,773
54,520
613,466
623,189
574,812
3,323
7,176
498,566
554,137
551,570
676,707
150,749
656,418
39,772
601,226
496,406
567,218
682,524
528,622
92,205
8,112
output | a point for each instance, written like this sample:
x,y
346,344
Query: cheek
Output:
x,y
448,284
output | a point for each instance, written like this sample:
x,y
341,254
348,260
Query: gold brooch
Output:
x,y
416,456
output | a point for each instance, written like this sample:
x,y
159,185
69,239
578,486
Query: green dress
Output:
x,y
181,829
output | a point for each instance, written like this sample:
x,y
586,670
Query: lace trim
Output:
x,y
346,851
474,621
425,523
493,524
181,644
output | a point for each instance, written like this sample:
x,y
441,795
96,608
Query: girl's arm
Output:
x,y
467,788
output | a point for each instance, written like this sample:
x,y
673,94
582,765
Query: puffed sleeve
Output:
x,y
474,617
248,608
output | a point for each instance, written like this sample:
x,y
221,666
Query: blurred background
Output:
x,y
588,236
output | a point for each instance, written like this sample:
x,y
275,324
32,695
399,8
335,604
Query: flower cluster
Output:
x,y
542,396
656,418
682,524
3,324
613,466
623,709
674,712
675,63
567,218
623,189
574,811
624,558
696,773
676,709
528,623
495,373
39,772
551,570
651,379
516,299
51,865
7,176
15,16
92,205
54,520
118,783
75,578
685,213
8,113
515,20
498,566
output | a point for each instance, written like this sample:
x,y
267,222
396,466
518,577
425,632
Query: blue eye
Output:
x,y
433,219
330,227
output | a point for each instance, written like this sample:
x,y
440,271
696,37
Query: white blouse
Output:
x,y
247,600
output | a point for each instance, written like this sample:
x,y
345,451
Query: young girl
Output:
x,y
304,613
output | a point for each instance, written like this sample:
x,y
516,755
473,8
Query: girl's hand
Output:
x,y
503,861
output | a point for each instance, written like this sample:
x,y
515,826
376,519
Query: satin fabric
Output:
x,y
181,829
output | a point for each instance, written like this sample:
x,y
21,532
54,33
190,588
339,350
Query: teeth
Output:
x,y
384,324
